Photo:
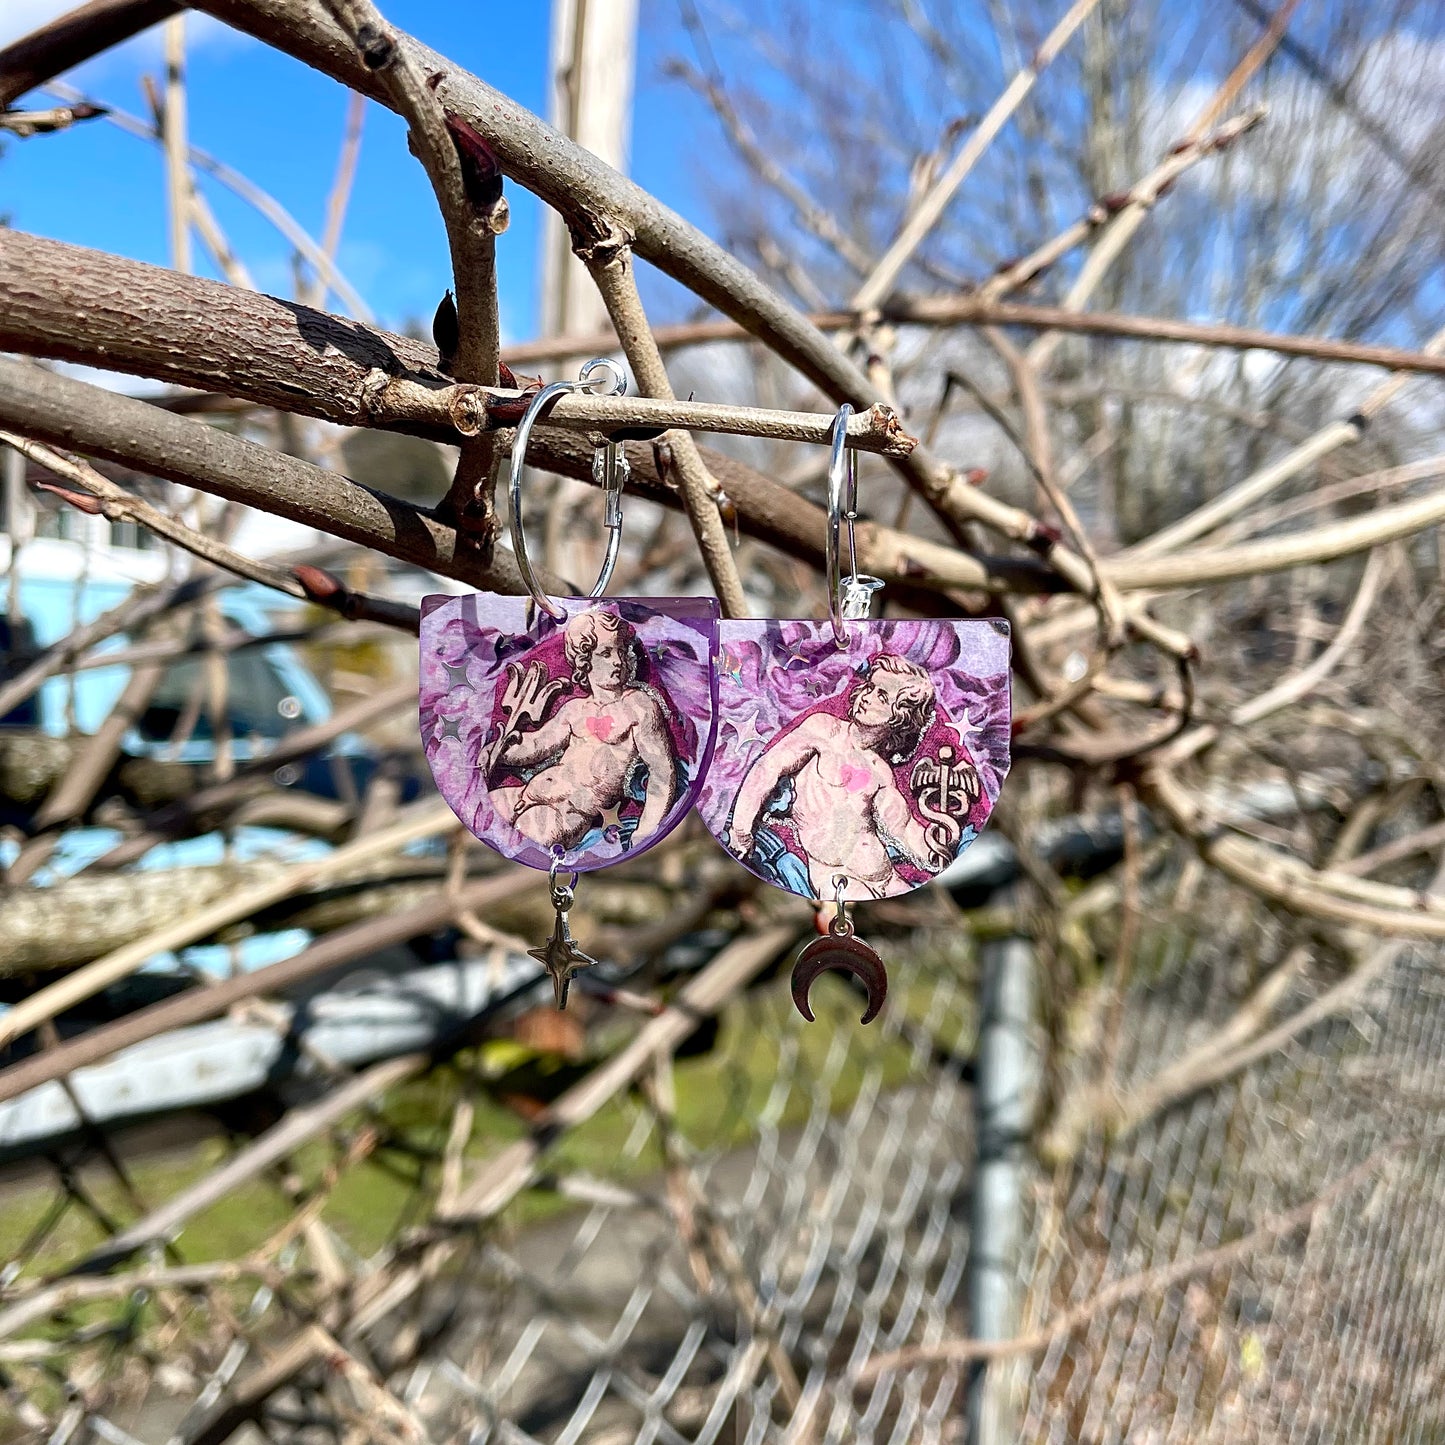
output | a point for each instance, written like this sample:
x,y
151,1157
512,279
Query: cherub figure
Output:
x,y
848,813
593,748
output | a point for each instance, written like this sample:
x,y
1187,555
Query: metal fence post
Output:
x,y
1006,1089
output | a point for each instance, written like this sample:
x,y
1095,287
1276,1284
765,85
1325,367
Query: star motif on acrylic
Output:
x,y
732,665
799,656
456,674
561,957
967,730
451,728
747,730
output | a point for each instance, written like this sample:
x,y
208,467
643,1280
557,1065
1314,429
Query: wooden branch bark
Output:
x,y
473,211
198,1005
1258,485
72,414
1275,554
609,262
68,303
597,202
150,322
73,37
310,584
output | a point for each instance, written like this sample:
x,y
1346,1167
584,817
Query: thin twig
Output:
x,y
307,584
421,821
929,210
1126,222
610,263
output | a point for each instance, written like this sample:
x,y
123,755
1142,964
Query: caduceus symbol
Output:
x,y
524,702
945,791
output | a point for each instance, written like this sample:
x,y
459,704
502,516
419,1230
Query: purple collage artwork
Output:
x,y
859,771
575,742
868,767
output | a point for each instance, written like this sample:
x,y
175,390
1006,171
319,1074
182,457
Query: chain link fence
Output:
x,y
719,1253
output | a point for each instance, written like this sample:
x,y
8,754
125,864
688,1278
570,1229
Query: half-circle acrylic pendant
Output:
x,y
569,733
856,758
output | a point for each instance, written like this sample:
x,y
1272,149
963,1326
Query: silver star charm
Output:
x,y
456,674
561,957
451,728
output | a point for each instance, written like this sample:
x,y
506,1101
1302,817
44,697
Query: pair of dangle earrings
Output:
x,y
843,760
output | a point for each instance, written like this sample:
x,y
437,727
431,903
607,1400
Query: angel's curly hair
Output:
x,y
585,631
913,706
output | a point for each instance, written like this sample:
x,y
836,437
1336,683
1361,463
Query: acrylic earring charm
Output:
x,y
856,758
569,733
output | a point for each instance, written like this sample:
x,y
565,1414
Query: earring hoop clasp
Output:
x,y
849,599
599,377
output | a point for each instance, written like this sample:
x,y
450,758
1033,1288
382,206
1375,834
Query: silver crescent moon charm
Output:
x,y
841,953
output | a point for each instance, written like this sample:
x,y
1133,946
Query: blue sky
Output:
x,y
281,125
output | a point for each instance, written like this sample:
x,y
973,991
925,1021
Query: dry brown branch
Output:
x,y
1428,469
967,310
75,790
62,1296
712,1235
100,424
1275,554
596,202
190,811
609,261
1323,894
1146,192
1292,688
26,123
1392,852
198,1005
1126,222
811,217
397,1422
422,821
72,38
196,208
1237,1046
309,584
173,134
511,1171
165,1223
141,607
1244,494
144,320
468,191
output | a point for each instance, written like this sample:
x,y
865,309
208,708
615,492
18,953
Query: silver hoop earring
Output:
x,y
599,377
569,732
856,757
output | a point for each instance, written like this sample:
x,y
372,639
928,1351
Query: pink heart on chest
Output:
x,y
600,728
855,779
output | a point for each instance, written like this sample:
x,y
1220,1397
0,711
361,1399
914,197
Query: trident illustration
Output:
x,y
945,794
524,701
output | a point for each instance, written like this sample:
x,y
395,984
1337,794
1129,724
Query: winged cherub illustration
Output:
x,y
847,811
593,751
